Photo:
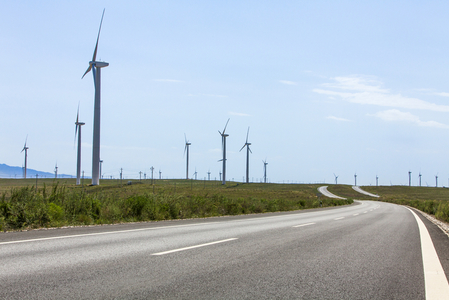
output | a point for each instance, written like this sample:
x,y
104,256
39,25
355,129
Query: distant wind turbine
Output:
x,y
186,149
56,170
248,150
409,178
194,174
78,125
355,179
436,180
265,170
96,66
377,180
25,148
223,142
336,178
420,178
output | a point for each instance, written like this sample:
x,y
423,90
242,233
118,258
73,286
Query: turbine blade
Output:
x,y
226,126
185,137
94,57
247,134
242,148
250,149
87,71
185,149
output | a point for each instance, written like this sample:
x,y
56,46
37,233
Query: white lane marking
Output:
x,y
436,284
365,212
339,218
101,233
355,214
193,247
301,225
155,228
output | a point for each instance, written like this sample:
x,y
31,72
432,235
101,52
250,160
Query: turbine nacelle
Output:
x,y
98,64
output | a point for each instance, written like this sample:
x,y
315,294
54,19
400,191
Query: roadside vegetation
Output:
x,y
56,203
431,200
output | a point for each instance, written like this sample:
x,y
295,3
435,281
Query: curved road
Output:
x,y
368,250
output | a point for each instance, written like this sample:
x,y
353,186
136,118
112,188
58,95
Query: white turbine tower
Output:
x,y
78,125
96,66
25,148
336,178
186,149
265,170
56,170
248,150
223,142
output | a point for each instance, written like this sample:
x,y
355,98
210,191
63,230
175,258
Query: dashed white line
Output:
x,y
339,218
355,214
193,247
365,212
301,225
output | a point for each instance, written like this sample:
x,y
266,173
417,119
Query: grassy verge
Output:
x,y
60,203
431,200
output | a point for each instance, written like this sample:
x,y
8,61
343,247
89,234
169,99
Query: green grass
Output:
x,y
432,200
60,203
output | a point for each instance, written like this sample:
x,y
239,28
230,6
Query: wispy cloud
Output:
x,y
394,115
357,89
239,114
337,119
288,82
442,94
168,80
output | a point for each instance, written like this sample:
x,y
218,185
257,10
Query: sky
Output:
x,y
326,87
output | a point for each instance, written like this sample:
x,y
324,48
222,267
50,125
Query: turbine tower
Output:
x,y
25,148
265,170
186,149
96,66
409,178
248,150
223,142
78,125
355,179
56,170
420,178
336,178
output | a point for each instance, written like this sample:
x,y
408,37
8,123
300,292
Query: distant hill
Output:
x,y
17,172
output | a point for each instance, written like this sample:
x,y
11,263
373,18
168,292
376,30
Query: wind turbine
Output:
x,y
186,149
25,148
377,180
96,66
409,178
223,142
355,179
248,150
420,178
56,170
436,180
265,170
336,178
194,174
78,125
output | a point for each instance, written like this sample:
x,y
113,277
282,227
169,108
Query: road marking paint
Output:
x,y
436,284
355,214
301,225
101,233
339,218
365,212
193,247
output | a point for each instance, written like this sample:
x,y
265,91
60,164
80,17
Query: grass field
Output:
x,y
432,200
53,203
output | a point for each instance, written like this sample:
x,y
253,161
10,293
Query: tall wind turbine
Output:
x,y
186,149
420,178
336,178
248,150
409,178
78,125
56,170
223,142
265,170
355,179
96,66
25,148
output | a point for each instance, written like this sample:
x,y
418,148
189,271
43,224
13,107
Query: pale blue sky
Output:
x,y
326,87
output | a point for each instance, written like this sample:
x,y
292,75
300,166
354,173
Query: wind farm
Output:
x,y
347,113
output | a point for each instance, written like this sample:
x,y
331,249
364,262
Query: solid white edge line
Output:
x,y
301,225
436,284
193,247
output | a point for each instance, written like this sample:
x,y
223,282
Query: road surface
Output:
x,y
368,250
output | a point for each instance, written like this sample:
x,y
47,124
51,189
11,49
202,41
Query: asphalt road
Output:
x,y
370,250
